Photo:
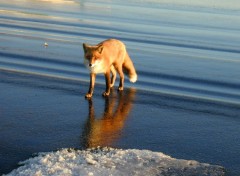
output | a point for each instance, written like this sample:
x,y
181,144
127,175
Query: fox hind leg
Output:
x,y
113,78
120,72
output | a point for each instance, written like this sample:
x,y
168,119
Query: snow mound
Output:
x,y
109,161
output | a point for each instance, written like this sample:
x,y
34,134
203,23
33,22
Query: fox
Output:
x,y
108,57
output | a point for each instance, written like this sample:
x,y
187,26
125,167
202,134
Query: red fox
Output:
x,y
108,57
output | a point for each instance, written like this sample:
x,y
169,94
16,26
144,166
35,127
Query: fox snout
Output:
x,y
91,64
94,63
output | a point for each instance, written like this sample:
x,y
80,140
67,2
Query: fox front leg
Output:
x,y
108,84
91,85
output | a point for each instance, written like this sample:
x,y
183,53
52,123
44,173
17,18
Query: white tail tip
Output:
x,y
133,78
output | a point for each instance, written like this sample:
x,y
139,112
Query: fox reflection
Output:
x,y
104,131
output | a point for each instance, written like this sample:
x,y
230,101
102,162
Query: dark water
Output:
x,y
185,103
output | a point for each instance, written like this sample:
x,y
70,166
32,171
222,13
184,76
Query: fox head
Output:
x,y
93,57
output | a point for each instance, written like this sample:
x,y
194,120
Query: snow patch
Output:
x,y
109,161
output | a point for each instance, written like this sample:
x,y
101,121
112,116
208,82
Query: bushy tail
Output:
x,y
129,69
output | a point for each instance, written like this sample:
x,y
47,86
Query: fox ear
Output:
x,y
85,47
100,49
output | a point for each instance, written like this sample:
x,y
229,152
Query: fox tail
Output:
x,y
129,69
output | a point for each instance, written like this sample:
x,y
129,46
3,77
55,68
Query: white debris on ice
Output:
x,y
109,161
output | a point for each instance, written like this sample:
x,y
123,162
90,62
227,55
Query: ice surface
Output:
x,y
109,161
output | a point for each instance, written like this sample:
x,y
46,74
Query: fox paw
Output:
x,y
120,88
111,85
88,95
105,94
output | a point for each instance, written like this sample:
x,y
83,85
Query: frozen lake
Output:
x,y
185,104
